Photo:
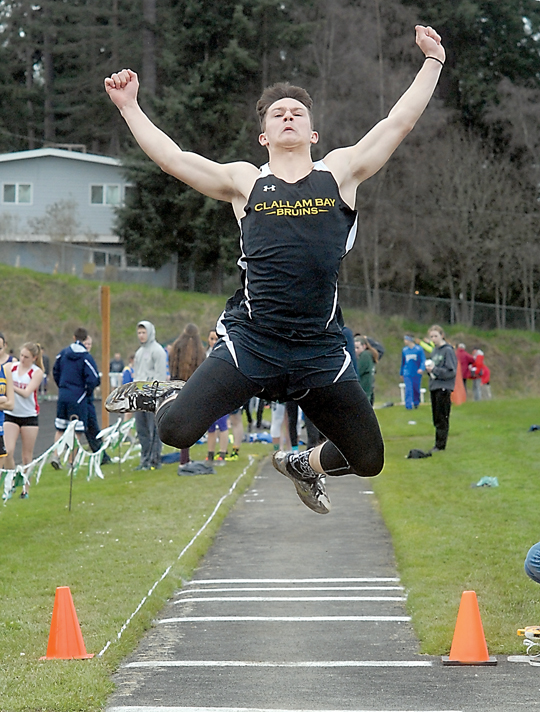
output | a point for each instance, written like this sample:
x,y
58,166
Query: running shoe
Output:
x,y
310,485
24,495
142,395
219,461
233,456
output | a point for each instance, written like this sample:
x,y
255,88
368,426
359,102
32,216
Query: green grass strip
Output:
x,y
112,549
449,536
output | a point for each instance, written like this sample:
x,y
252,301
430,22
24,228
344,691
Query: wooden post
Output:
x,y
105,308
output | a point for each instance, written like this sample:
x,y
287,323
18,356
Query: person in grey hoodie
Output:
x,y
442,370
150,365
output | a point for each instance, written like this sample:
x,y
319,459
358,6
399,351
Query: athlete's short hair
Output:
x,y
80,334
282,90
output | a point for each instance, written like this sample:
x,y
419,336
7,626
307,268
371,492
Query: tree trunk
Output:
x,y
49,127
381,59
149,74
29,80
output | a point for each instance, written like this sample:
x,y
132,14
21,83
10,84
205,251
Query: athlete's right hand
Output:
x,y
122,87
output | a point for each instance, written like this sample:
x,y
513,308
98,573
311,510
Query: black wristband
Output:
x,y
437,60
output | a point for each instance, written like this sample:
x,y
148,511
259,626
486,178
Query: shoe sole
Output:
x,y
117,401
320,504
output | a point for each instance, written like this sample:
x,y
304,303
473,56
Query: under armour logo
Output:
x,y
269,187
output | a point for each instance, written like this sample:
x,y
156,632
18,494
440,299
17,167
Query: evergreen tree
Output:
x,y
215,59
485,41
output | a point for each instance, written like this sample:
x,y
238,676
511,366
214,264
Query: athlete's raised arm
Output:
x,y
223,182
354,164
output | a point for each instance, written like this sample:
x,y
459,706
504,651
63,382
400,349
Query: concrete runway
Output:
x,y
291,610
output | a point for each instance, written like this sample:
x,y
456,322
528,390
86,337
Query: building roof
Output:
x,y
59,153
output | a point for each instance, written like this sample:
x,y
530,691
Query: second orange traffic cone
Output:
x,y
469,644
459,394
65,637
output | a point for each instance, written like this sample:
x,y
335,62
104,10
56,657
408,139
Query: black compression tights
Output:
x,y
341,412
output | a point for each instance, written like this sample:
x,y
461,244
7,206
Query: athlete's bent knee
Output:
x,y
175,431
373,465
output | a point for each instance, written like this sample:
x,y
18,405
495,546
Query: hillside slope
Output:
x,y
48,308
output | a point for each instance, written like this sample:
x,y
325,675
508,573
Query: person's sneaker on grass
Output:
x,y
142,395
55,462
235,455
310,485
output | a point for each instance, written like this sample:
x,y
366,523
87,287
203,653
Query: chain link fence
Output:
x,y
436,310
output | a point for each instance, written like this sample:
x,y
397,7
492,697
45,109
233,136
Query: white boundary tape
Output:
x,y
181,554
113,436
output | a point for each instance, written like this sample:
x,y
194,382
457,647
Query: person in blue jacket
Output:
x,y
413,364
76,374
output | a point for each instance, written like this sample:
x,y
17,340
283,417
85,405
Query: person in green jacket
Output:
x,y
367,358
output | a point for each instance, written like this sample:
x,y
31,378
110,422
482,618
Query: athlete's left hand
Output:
x,y
429,42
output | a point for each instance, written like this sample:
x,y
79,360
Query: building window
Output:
x,y
107,259
17,193
100,259
107,194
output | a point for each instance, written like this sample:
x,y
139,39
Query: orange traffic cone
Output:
x,y
469,644
65,638
459,394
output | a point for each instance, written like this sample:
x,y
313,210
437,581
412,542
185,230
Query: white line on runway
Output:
x,y
295,588
267,599
242,709
274,664
365,579
295,619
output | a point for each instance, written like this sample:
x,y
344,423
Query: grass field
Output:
x,y
121,535
123,532
450,537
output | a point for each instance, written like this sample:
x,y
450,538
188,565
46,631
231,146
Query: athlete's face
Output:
x,y
142,334
436,337
212,339
288,124
26,358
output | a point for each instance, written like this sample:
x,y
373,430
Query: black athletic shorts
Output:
x,y
31,421
3,451
285,368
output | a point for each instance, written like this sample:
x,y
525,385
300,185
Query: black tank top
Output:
x,y
293,238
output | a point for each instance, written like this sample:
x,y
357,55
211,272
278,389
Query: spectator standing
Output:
x,y
412,367
5,356
149,365
127,373
27,375
116,366
186,355
466,360
76,374
442,369
486,383
7,401
477,373
92,423
367,359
